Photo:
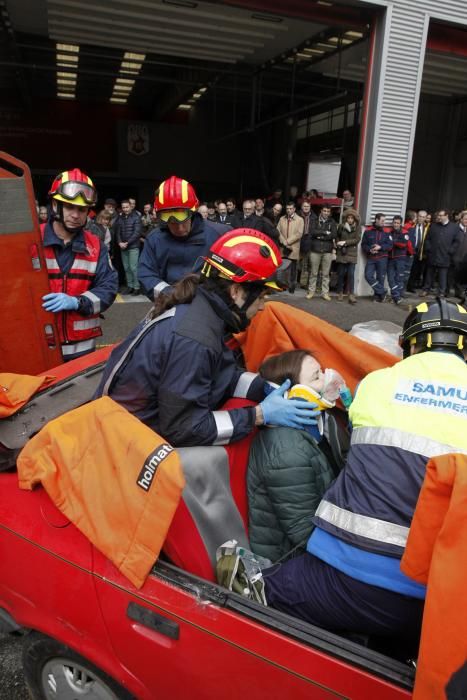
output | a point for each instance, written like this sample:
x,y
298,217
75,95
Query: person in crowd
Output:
x,y
348,198
288,471
100,226
290,229
461,259
277,211
259,206
429,219
293,195
147,220
212,213
248,219
203,210
110,206
376,244
223,216
175,247
323,237
350,578
349,234
43,215
128,231
309,218
441,243
397,260
132,203
82,280
231,206
269,225
174,371
274,198
417,266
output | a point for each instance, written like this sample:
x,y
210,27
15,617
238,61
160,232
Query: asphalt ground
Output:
x,y
119,321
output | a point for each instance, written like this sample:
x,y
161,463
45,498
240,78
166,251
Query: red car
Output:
x,y
88,633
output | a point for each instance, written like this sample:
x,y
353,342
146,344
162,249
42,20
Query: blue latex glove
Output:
x,y
59,301
289,413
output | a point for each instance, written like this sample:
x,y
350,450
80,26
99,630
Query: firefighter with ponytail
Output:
x,y
175,371
82,280
177,245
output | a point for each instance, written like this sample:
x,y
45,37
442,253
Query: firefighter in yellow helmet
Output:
x,y
82,280
180,240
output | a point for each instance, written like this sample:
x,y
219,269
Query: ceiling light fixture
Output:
x,y
62,81
184,107
354,35
128,56
118,100
66,95
68,47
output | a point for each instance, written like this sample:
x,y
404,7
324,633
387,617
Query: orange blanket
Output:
x,y
17,389
436,554
116,479
281,327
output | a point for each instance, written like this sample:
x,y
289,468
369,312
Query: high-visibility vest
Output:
x,y
72,326
401,416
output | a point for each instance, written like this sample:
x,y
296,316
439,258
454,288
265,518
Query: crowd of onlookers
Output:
x,y
421,253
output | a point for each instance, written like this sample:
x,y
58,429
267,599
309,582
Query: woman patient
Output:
x,y
289,469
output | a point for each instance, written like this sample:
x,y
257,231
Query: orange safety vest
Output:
x,y
72,326
436,555
113,477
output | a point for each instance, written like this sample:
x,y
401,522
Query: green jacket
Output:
x,y
287,476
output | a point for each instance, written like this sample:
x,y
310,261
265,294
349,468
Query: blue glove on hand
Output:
x,y
289,413
59,301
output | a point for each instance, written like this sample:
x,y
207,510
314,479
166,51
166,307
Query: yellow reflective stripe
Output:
x,y
64,177
184,191
160,193
423,307
227,272
251,239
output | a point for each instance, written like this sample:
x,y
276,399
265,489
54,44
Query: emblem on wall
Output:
x,y
138,139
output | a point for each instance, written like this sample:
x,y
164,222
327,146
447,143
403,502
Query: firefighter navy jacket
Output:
x,y
179,374
165,259
376,236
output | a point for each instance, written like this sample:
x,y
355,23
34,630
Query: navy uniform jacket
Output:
x,y
181,373
376,236
165,259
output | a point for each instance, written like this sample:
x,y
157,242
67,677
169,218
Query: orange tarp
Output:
x,y
436,554
281,327
113,477
17,389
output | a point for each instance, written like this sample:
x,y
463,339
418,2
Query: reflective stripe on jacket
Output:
x,y
72,326
402,416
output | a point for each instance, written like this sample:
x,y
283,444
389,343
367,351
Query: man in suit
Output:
x,y
223,217
248,219
417,264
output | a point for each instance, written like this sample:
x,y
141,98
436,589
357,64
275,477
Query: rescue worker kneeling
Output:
x,y
175,371
350,578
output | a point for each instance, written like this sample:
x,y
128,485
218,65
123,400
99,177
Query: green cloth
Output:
x,y
287,476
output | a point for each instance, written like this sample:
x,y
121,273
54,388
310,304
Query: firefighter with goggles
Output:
x,y
175,371
178,244
82,280
350,578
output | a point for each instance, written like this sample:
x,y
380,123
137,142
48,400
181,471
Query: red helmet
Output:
x,y
175,193
247,256
74,187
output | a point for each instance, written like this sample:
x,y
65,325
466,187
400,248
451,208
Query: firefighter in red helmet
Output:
x,y
180,240
82,280
175,371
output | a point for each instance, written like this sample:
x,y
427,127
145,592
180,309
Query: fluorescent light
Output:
x,y
63,74
184,107
66,95
203,89
119,100
318,51
125,81
62,81
304,55
71,58
354,35
197,95
68,47
134,56
122,88
127,67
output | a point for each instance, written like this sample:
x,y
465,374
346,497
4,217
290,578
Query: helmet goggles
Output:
x,y
71,190
177,216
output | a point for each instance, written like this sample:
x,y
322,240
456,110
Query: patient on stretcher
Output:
x,y
289,469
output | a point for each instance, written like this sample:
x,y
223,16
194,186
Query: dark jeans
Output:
x,y
417,274
345,270
396,271
375,273
442,278
293,275
310,589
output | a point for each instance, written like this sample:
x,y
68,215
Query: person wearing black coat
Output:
x,y
248,219
441,244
